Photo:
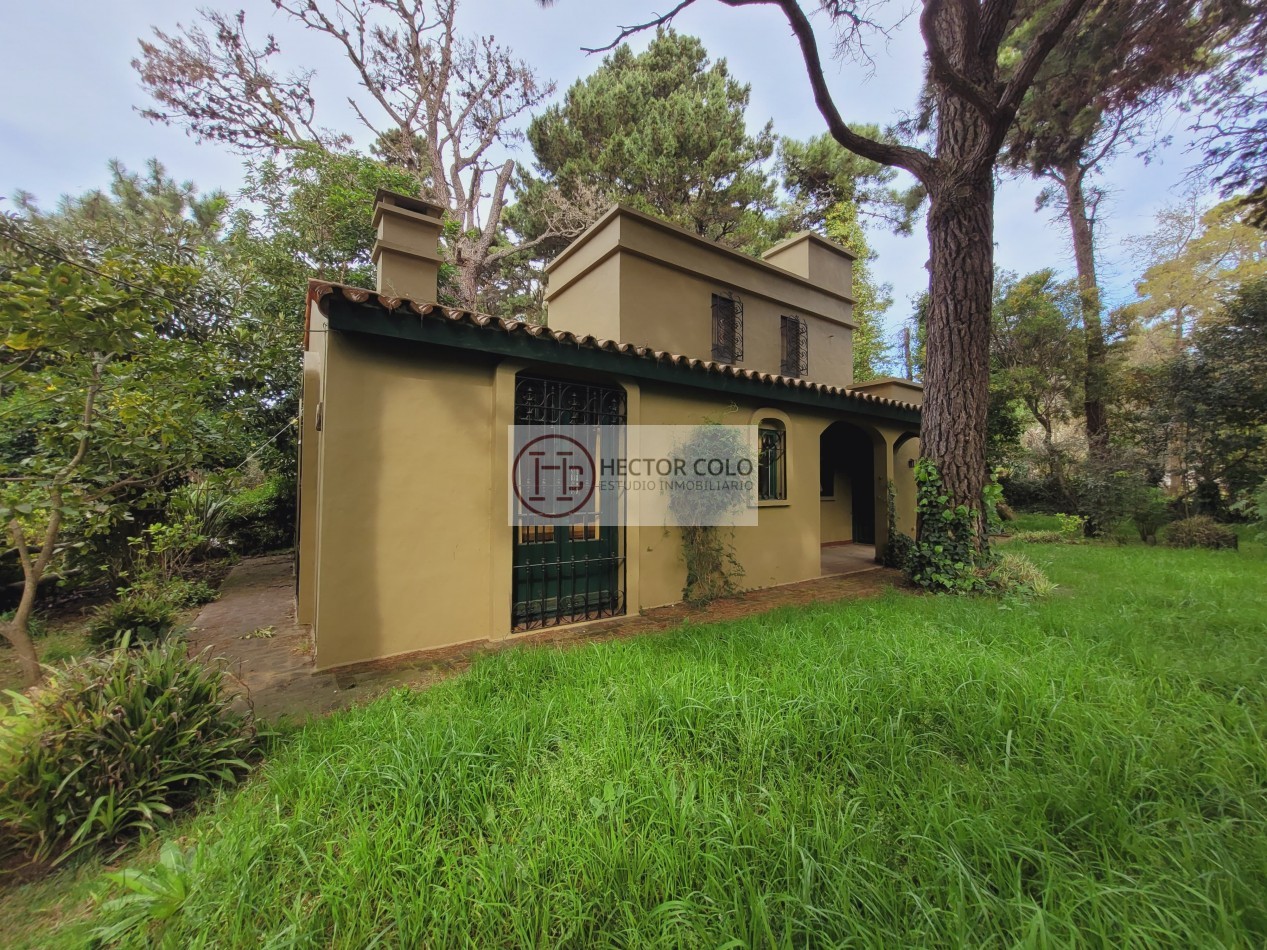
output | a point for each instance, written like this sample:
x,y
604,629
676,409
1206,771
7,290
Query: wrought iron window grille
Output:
x,y
727,328
794,340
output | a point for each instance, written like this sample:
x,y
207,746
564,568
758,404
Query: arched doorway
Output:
x,y
847,487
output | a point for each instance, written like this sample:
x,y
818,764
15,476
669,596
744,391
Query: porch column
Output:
x,y
883,467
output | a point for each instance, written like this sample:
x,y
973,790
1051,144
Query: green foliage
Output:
x,y
665,131
871,300
1036,348
1200,531
1217,393
1151,512
136,619
992,499
822,175
166,549
944,555
150,896
111,745
1108,492
898,552
262,518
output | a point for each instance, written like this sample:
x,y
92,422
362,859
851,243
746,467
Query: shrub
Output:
x,y
1151,512
1200,531
142,617
1073,528
1107,492
110,745
1014,573
262,518
182,592
1040,537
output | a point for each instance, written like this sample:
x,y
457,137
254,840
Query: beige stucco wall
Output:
x,y
836,513
404,497
890,387
406,546
659,282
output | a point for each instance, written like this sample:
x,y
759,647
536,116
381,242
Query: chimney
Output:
x,y
818,260
406,246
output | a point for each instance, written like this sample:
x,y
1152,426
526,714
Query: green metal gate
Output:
x,y
567,573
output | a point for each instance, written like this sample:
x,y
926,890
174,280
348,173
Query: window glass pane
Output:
x,y
772,462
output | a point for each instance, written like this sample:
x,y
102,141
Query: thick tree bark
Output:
x,y
1096,374
957,369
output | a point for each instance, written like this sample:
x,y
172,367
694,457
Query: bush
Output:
x,y
1014,573
262,518
1040,537
1108,492
181,592
142,617
1151,513
1200,531
110,745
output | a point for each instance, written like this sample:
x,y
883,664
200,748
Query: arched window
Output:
x,y
771,460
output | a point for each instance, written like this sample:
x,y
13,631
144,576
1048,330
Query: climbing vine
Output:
x,y
944,555
712,567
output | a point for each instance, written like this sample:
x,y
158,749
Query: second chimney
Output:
x,y
406,246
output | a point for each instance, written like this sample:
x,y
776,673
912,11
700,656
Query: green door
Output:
x,y
570,572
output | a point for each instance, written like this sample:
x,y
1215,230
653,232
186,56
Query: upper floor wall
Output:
x,y
636,279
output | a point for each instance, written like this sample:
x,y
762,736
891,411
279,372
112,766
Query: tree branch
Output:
x,y
917,162
942,69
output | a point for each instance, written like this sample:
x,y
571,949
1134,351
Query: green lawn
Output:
x,y
906,771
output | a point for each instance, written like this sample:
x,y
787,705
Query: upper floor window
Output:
x,y
793,346
771,461
727,329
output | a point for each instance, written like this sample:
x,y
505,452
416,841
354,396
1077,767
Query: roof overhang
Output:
x,y
355,310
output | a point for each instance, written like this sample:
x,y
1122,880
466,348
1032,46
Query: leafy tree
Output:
x,y
820,174
1232,118
1035,356
1092,97
1217,393
437,103
118,406
663,130
1197,259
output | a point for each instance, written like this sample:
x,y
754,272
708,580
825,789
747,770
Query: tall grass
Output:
x,y
1089,770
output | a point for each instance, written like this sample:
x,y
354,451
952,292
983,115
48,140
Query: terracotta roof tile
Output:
x,y
320,290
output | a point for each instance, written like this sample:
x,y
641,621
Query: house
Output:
x,y
405,543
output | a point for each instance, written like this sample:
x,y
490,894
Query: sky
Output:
x,y
70,102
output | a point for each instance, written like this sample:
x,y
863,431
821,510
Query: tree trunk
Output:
x,y
1096,372
957,368
1176,469
18,630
